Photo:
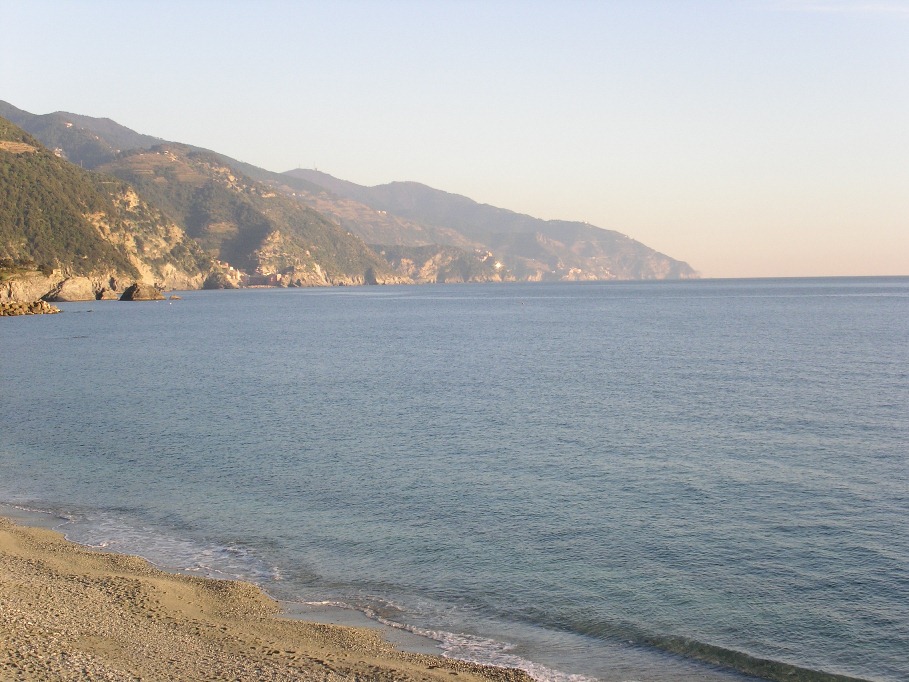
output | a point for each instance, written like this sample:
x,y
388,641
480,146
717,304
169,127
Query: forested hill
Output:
x,y
44,207
63,222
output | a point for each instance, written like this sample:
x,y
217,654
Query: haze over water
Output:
x,y
568,477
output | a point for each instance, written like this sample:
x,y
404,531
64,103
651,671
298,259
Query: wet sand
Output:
x,y
68,612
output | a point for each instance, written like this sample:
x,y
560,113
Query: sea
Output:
x,y
624,481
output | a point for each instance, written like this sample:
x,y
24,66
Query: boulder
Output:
x,y
142,292
73,289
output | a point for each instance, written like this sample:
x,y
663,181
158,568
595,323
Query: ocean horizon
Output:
x,y
697,480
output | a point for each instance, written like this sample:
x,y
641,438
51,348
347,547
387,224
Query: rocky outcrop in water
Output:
x,y
218,279
142,292
73,289
33,308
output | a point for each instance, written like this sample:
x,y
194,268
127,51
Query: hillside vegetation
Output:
x,y
245,223
44,204
66,222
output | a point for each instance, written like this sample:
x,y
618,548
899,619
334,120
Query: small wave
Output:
x,y
463,647
475,649
490,652
744,663
169,552
701,652
34,516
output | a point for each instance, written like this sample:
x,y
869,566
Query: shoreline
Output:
x,y
72,612
326,613
78,611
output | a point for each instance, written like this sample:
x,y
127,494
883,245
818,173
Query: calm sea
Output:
x,y
611,481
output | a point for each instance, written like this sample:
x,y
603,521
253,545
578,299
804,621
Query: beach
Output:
x,y
69,612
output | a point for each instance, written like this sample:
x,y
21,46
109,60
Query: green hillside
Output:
x,y
44,204
66,222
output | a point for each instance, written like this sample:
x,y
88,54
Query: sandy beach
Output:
x,y
68,612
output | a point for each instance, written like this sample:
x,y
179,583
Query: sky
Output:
x,y
750,138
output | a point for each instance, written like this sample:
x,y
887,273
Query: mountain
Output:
x,y
311,228
67,232
531,248
245,224
86,141
266,236
419,253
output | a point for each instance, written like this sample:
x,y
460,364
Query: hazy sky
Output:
x,y
747,137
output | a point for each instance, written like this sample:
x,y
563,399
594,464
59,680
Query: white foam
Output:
x,y
475,649
466,647
169,552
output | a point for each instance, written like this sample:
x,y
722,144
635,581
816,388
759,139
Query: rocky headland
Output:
x,y
120,207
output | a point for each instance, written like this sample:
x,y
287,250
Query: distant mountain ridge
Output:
x,y
532,248
305,227
84,140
